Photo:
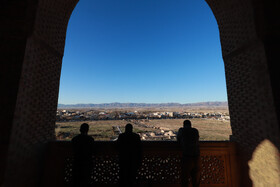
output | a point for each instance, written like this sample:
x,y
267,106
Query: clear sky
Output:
x,y
152,51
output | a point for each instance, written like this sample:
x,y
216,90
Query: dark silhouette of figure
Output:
x,y
188,138
83,146
130,156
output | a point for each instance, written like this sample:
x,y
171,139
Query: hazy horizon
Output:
x,y
141,103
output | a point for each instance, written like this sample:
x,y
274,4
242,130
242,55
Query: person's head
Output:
x,y
128,128
84,128
187,124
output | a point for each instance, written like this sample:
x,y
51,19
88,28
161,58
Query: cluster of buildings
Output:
x,y
74,115
160,134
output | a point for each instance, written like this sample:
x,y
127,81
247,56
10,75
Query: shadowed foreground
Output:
x,y
160,166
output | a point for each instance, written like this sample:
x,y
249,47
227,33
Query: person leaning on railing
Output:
x,y
130,156
83,148
188,139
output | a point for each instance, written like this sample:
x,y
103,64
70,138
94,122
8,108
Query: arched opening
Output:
x,y
33,45
144,52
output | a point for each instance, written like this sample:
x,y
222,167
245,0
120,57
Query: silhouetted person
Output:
x,y
83,146
130,156
188,138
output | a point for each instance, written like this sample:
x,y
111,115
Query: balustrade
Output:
x,y
160,166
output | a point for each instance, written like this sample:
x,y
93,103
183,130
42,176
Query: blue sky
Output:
x,y
152,51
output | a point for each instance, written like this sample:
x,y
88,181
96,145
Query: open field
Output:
x,y
100,130
209,129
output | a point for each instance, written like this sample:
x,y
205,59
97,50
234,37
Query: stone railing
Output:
x,y
160,166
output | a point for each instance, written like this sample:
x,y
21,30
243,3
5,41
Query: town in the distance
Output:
x,y
152,122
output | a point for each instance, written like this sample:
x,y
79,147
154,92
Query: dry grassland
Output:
x,y
209,129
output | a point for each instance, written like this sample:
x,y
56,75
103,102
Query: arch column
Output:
x,y
34,39
246,34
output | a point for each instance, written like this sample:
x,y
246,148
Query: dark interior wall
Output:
x,y
249,34
267,16
251,76
16,19
32,46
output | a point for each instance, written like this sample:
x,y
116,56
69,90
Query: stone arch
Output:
x,y
32,44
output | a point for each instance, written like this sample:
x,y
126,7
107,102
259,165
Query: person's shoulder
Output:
x,y
121,135
75,138
136,135
194,130
90,138
181,129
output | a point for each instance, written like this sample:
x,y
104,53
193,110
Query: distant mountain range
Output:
x,y
145,105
